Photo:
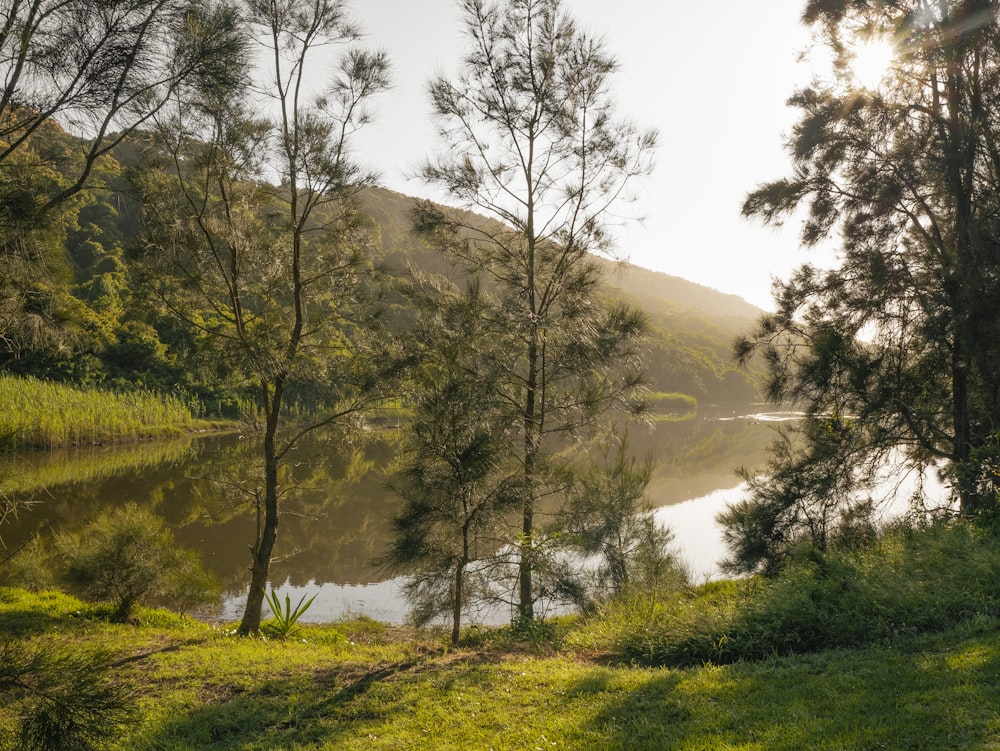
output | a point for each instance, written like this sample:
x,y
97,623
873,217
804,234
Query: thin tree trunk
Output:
x,y
526,600
967,492
456,613
960,170
269,533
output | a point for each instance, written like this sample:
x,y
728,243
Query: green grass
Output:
x,y
910,582
41,414
361,685
893,647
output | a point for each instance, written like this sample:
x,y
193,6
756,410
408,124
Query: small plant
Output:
x,y
283,619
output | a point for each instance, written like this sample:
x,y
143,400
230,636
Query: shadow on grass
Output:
x,y
25,623
837,700
937,694
295,711
25,620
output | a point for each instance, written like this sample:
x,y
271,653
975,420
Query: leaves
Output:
x,y
283,623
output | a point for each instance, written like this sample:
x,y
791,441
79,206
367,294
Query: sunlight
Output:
x,y
871,60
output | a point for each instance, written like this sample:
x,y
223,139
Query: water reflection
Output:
x,y
337,509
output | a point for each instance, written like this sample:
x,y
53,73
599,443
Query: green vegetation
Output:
x,y
284,619
169,260
29,473
42,414
281,283
908,582
929,682
892,349
530,135
127,556
66,697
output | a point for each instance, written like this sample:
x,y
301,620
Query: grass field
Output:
x,y
363,685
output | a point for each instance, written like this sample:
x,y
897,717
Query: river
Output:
x,y
338,509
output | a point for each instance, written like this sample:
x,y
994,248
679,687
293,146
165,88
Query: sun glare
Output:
x,y
871,60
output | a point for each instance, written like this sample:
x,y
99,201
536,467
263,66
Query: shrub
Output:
x,y
29,567
126,557
910,581
284,619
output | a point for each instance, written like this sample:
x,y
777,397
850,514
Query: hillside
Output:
x,y
693,326
82,315
654,290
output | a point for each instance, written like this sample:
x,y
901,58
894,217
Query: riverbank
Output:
x,y
363,685
47,415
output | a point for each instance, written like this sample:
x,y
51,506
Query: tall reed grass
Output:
x,y
38,414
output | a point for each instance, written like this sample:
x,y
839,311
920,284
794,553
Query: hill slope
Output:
x,y
693,326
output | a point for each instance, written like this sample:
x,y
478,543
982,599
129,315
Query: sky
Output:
x,y
711,76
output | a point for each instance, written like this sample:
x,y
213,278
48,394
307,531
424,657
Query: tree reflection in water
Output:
x,y
338,512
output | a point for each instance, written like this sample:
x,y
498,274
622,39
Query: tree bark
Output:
x,y
456,613
250,624
526,600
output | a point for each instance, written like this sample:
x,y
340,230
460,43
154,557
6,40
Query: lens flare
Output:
x,y
871,60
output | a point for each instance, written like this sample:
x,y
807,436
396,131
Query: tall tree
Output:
x,y
255,240
103,69
532,141
897,345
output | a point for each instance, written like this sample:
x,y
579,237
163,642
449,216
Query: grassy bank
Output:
x,y
360,685
40,414
908,582
893,646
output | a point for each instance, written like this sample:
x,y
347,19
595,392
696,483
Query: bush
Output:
x,y
126,557
910,581
29,568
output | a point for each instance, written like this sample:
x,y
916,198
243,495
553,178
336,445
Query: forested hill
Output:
x,y
75,310
672,294
693,326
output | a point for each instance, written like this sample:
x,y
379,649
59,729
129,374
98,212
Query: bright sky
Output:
x,y
711,76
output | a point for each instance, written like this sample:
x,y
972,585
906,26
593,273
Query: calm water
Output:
x,y
338,511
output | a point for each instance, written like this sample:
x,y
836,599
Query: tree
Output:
x,y
103,69
100,71
457,481
900,338
278,276
610,518
809,497
64,698
531,141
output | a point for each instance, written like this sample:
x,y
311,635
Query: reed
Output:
x,y
38,414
